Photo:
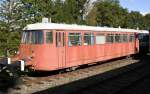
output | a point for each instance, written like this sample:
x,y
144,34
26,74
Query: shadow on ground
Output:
x,y
8,80
84,83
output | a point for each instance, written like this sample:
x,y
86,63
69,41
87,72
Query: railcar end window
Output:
x,y
88,38
100,39
25,37
74,39
32,37
49,37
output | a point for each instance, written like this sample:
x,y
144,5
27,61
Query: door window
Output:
x,y
60,39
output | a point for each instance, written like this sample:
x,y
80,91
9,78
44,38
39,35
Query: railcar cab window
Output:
x,y
110,38
88,39
49,37
32,37
132,37
74,39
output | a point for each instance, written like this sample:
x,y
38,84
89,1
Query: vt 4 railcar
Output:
x,y
52,46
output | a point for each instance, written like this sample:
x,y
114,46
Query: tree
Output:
x,y
91,17
135,20
109,13
74,11
9,13
147,22
58,12
9,25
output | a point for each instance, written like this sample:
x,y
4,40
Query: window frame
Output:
x,y
91,40
100,34
51,41
118,38
125,38
79,42
60,40
30,38
132,37
110,36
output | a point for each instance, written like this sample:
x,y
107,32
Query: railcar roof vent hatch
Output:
x,y
46,20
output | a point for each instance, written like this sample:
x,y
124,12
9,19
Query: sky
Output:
x,y
143,6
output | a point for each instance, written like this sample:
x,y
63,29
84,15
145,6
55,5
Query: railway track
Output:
x,y
36,84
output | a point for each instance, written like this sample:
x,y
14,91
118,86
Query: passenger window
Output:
x,y
125,38
49,37
74,39
100,39
88,38
118,38
110,38
132,37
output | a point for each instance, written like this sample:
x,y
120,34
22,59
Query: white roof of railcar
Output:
x,y
43,26
144,31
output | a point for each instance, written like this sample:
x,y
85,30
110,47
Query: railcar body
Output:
x,y
52,46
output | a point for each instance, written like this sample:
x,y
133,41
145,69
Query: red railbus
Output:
x,y
52,46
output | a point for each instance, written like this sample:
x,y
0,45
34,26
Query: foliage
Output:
x,y
147,21
110,13
135,19
9,25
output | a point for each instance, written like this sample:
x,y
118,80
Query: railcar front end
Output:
x,y
37,50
